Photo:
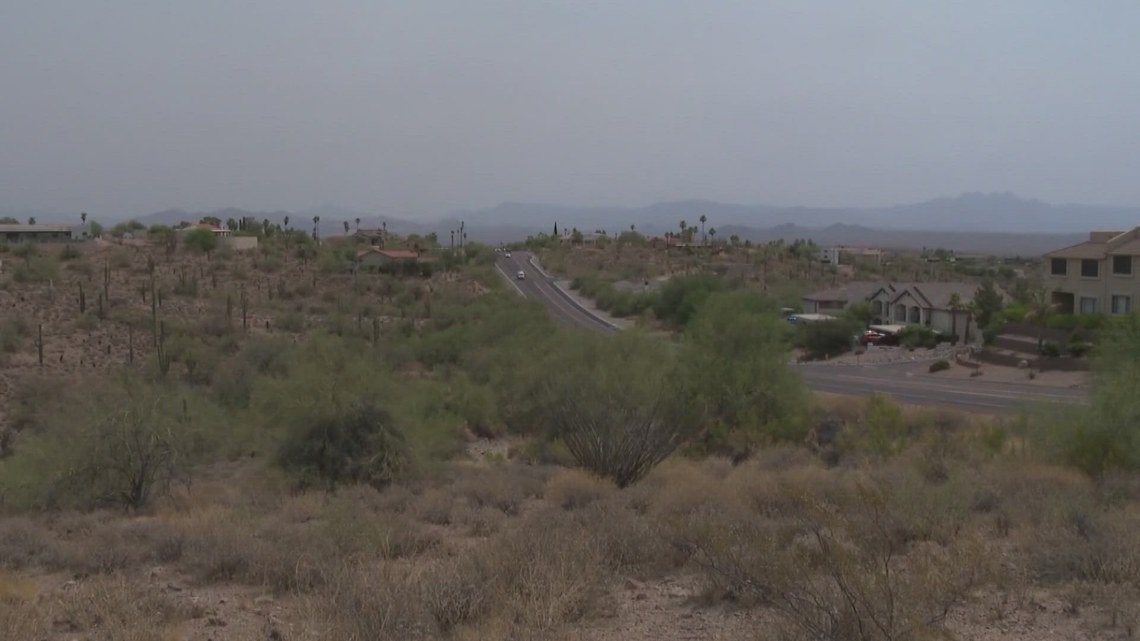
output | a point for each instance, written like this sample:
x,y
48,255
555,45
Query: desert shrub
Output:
x,y
36,269
120,444
837,571
69,252
733,372
368,603
681,297
1050,349
536,578
881,429
13,330
1103,435
359,444
98,608
612,401
290,322
825,339
939,366
573,489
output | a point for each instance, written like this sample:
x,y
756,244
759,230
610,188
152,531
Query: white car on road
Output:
x,y
521,275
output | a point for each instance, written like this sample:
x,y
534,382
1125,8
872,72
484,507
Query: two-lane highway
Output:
x,y
538,286
897,380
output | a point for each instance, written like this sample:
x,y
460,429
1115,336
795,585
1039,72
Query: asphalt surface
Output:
x,y
895,380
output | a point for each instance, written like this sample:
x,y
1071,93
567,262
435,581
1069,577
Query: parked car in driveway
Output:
x,y
871,337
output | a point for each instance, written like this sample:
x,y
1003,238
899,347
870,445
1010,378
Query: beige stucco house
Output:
x,y
939,306
1097,276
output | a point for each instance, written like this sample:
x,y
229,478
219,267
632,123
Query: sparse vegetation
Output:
x,y
426,456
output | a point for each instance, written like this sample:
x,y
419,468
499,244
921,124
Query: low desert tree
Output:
x,y
1106,433
988,303
734,362
612,400
122,444
202,240
683,295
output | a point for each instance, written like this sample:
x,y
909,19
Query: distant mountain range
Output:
x,y
992,223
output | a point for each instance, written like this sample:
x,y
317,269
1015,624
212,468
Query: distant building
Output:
x,y
1097,276
37,233
374,258
940,306
833,255
219,232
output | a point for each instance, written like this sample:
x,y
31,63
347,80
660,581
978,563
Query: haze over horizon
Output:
x,y
420,109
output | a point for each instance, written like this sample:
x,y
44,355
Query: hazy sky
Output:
x,y
419,106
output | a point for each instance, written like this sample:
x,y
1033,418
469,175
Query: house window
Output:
x,y
900,313
1122,265
1090,268
1088,305
1059,266
1121,304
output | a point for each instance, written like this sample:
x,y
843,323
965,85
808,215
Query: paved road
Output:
x,y
974,395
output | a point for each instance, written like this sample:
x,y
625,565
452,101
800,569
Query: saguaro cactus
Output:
x,y
40,342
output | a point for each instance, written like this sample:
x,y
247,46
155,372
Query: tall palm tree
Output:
x,y
955,306
712,232
286,222
83,218
703,219
357,224
346,228
684,226
316,222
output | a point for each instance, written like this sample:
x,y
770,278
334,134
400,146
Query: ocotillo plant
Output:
x,y
82,300
107,280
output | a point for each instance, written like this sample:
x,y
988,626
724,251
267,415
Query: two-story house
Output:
x,y
1097,276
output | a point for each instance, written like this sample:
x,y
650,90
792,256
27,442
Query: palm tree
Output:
x,y
316,221
346,227
357,224
712,232
286,222
955,306
684,226
83,218
703,219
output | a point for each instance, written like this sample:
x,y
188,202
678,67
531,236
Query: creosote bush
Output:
x,y
359,444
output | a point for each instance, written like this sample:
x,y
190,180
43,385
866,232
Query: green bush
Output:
x,y
939,366
825,339
1050,349
359,444
682,296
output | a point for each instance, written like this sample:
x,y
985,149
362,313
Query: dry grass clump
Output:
x,y
110,607
574,488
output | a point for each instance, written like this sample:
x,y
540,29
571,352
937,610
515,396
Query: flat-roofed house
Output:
x,y
36,233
